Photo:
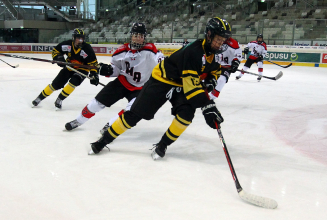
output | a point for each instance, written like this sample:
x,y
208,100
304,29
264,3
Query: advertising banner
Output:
x,y
15,48
100,49
324,58
302,43
41,48
293,57
319,43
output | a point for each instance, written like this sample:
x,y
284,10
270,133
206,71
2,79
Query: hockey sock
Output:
x,y
69,88
175,130
260,70
46,92
118,127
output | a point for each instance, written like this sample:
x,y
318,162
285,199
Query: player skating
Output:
x,y
79,52
229,60
132,64
259,51
177,79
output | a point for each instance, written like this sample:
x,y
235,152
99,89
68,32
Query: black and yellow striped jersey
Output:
x,y
184,68
84,55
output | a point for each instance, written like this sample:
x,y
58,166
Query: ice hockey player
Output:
x,y
259,51
229,60
79,52
132,64
177,79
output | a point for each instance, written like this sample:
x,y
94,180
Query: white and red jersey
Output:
x,y
257,49
134,67
233,52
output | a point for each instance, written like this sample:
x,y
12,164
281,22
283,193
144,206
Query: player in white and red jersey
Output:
x,y
229,60
259,51
132,64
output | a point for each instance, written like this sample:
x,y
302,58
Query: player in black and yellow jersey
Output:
x,y
178,79
77,51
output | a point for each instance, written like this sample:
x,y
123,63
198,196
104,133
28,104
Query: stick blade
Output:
x,y
16,66
258,200
288,65
279,75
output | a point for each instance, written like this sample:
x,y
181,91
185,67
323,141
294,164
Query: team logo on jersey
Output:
x,y
217,57
66,48
83,54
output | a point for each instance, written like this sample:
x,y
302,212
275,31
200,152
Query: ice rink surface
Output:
x,y
275,131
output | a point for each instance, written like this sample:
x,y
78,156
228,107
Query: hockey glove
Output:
x,y
211,114
260,58
105,69
60,58
209,82
234,66
95,78
246,50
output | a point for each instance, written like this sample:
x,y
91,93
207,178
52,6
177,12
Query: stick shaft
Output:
x,y
49,61
70,68
9,64
230,164
280,65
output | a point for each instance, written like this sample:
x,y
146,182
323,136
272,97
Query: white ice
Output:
x,y
275,131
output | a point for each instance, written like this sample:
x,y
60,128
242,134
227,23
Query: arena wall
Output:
x,y
313,56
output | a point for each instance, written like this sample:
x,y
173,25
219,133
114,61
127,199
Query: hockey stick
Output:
x,y
70,68
280,65
9,64
253,199
49,61
279,75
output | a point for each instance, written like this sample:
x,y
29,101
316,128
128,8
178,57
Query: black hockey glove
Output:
x,y
246,50
211,114
60,58
105,69
209,82
260,58
95,78
234,66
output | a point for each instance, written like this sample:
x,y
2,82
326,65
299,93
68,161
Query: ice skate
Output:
x,y
105,128
36,102
72,125
238,77
259,78
58,104
97,146
159,151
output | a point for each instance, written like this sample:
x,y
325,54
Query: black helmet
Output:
x,y
138,28
78,33
260,36
218,26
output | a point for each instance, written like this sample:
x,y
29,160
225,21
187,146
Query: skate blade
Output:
x,y
91,152
57,109
155,156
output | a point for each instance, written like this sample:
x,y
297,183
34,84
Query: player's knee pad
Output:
x,y
76,79
130,119
57,86
95,106
185,112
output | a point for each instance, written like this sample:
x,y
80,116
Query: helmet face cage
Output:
x,y
259,36
78,33
138,30
220,27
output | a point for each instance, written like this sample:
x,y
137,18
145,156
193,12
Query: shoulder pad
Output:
x,y
121,49
149,46
254,41
264,45
232,43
